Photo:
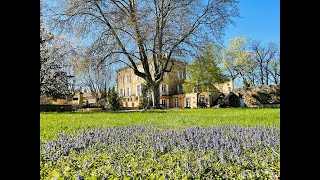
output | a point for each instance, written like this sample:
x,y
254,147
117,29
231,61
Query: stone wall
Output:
x,y
260,96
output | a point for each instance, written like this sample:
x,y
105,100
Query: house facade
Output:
x,y
171,93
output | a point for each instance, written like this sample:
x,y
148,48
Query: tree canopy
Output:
x,y
203,72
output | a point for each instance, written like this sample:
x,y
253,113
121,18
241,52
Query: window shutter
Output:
x,y
167,89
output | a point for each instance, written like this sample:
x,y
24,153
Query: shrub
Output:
x,y
114,101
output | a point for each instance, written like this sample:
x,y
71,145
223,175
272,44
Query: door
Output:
x,y
175,102
188,100
163,103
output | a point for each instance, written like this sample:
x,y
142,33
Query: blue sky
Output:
x,y
260,20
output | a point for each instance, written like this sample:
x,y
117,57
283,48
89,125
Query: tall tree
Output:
x,y
54,79
263,54
92,75
145,30
203,72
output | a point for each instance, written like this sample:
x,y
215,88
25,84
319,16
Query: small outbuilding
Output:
x,y
231,100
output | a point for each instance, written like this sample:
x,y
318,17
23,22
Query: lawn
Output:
x,y
51,123
231,143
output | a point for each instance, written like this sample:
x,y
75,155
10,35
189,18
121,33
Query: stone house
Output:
x,y
171,93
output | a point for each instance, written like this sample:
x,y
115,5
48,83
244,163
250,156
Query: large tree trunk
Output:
x,y
156,95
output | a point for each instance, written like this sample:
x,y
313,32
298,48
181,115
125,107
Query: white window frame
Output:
x,y
188,102
121,92
175,102
138,93
127,92
128,78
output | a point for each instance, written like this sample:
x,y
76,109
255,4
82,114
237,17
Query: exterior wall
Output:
x,y
85,97
225,87
60,102
131,99
193,98
181,100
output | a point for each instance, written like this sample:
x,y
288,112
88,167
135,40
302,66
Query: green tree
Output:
x,y
203,72
114,101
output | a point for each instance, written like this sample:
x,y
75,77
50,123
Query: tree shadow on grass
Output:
x,y
139,111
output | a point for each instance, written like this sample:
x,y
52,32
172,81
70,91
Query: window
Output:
x,y
128,92
121,79
175,102
202,99
121,92
180,75
188,102
128,78
138,93
179,89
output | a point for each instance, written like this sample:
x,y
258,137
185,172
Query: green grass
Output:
x,y
51,123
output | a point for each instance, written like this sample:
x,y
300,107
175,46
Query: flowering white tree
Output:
x,y
55,71
237,60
